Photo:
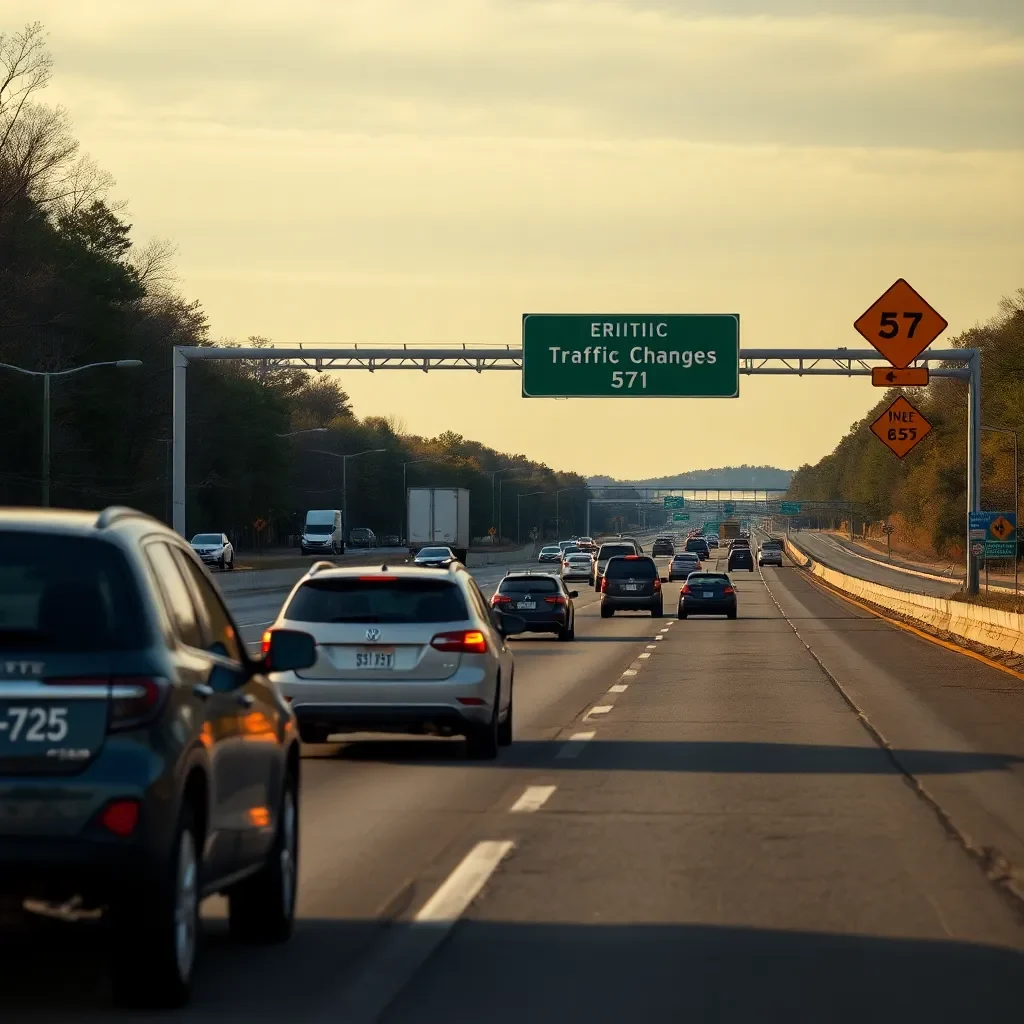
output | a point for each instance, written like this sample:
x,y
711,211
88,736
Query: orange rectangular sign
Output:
x,y
901,427
890,377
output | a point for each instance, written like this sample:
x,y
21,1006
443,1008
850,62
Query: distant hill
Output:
x,y
725,476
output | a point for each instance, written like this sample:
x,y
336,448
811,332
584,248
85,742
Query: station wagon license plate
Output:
x,y
630,586
376,658
709,593
526,606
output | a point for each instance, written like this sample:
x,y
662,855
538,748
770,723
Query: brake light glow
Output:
x,y
728,590
657,585
377,579
500,599
470,701
632,558
120,817
686,589
604,584
557,599
462,641
265,643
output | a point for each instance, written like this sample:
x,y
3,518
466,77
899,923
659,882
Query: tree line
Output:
x,y
924,495
77,288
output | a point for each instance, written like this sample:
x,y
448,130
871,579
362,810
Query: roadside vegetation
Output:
x,y
924,496
77,287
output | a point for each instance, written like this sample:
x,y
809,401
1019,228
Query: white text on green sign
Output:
x,y
639,355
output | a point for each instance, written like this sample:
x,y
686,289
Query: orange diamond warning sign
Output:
x,y
901,325
901,427
1001,528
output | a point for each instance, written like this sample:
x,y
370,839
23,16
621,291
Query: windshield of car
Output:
x,y
206,538
319,529
611,550
638,568
67,594
377,600
435,553
528,585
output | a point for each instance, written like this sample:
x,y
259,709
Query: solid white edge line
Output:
x,y
573,747
618,688
532,799
652,647
463,885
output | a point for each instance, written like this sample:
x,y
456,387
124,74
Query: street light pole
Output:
x,y
495,473
344,473
519,499
47,375
1016,499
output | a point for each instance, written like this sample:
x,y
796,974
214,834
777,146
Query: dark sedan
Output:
x,y
682,565
740,558
434,558
707,593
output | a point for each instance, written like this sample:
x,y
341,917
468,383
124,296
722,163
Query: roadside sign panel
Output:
x,y
680,517
994,532
890,377
900,324
645,355
901,428
977,548
790,508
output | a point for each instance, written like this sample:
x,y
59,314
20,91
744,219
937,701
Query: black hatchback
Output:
x,y
541,600
631,583
707,593
126,784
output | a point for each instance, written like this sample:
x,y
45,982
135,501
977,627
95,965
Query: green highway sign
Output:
x,y
790,508
671,502
728,508
643,355
680,517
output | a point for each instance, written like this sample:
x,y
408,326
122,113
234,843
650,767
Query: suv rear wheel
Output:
x,y
156,929
262,908
482,740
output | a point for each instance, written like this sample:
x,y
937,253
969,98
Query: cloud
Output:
x,y
582,68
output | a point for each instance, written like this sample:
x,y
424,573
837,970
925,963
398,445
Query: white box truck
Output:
x,y
323,532
439,515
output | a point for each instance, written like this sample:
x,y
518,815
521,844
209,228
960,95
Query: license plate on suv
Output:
x,y
526,606
376,658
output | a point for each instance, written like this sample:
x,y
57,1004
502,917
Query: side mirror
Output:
x,y
574,593
508,624
289,650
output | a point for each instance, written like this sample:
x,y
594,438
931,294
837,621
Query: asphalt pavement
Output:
x,y
805,814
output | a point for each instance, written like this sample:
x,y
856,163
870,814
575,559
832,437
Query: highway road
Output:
x,y
831,551
778,818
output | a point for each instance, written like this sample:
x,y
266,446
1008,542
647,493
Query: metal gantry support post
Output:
x,y
178,440
973,462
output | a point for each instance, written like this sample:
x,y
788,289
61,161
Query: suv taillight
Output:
x,y
657,585
728,590
604,584
265,643
557,599
500,599
686,589
463,641
134,700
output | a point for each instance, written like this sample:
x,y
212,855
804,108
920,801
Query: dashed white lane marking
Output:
x,y
600,709
665,630
644,655
463,885
629,672
618,688
269,622
574,746
652,647
533,799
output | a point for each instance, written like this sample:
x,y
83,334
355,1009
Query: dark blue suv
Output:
x,y
145,760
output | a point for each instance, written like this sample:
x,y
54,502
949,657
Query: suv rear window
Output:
x,y
611,550
533,585
771,545
395,600
696,544
67,594
638,568
708,578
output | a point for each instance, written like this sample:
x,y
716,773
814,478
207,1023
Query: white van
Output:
x,y
324,532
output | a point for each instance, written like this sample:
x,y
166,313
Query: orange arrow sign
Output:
x,y
901,427
900,324
890,377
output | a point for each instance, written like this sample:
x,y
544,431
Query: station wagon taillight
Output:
x,y
728,590
500,599
460,641
556,599
686,589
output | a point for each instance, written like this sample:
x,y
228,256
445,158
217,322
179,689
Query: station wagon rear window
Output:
x,y
536,585
638,568
377,600
67,594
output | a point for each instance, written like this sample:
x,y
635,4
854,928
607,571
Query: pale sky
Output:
x,y
425,171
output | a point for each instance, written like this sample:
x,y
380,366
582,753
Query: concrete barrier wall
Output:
x,y
476,559
990,626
